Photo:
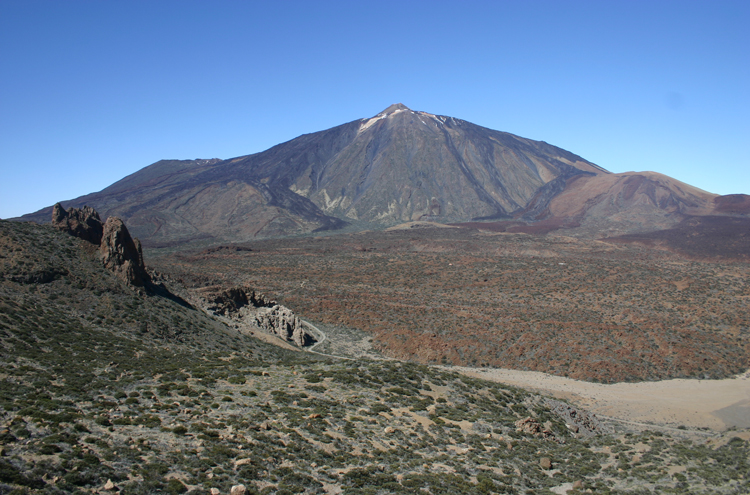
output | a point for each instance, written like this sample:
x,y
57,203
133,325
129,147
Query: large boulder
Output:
x,y
122,254
79,222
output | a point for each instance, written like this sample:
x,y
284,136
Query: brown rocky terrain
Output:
x,y
710,237
591,310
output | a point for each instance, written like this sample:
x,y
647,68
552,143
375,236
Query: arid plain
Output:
x,y
573,317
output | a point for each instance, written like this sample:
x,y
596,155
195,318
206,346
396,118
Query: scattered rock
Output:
x,y
109,486
532,427
578,485
545,463
83,223
238,490
122,254
579,421
6,436
389,429
215,491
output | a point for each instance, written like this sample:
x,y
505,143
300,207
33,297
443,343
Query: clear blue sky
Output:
x,y
91,91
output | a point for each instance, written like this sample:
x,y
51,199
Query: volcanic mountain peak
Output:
x,y
392,110
399,166
396,107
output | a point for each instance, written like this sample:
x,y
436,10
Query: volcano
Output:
x,y
399,166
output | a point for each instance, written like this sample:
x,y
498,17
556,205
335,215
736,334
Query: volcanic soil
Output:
x,y
588,310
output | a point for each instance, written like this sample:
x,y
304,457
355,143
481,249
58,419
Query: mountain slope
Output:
x,y
627,202
398,166
178,200
403,165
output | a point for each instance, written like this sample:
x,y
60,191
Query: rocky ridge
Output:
x,y
83,223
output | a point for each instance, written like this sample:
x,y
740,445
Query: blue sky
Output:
x,y
91,91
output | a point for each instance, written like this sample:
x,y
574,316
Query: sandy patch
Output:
x,y
714,404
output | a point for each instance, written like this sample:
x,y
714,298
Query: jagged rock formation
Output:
x,y
283,322
79,222
119,252
122,254
229,302
244,304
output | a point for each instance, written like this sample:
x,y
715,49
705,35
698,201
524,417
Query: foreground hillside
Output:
x,y
108,388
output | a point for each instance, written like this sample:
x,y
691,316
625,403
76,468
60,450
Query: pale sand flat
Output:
x,y
714,404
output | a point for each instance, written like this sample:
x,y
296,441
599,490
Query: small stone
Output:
x,y
238,490
109,485
545,463
578,485
215,491
389,430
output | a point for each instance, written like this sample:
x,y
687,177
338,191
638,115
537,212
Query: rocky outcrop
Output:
x,y
531,426
581,423
122,254
230,301
282,322
247,305
78,222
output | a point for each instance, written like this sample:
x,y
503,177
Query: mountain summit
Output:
x,y
400,165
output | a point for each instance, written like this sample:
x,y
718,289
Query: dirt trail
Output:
x,y
714,404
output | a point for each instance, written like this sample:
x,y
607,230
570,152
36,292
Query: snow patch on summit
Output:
x,y
380,116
